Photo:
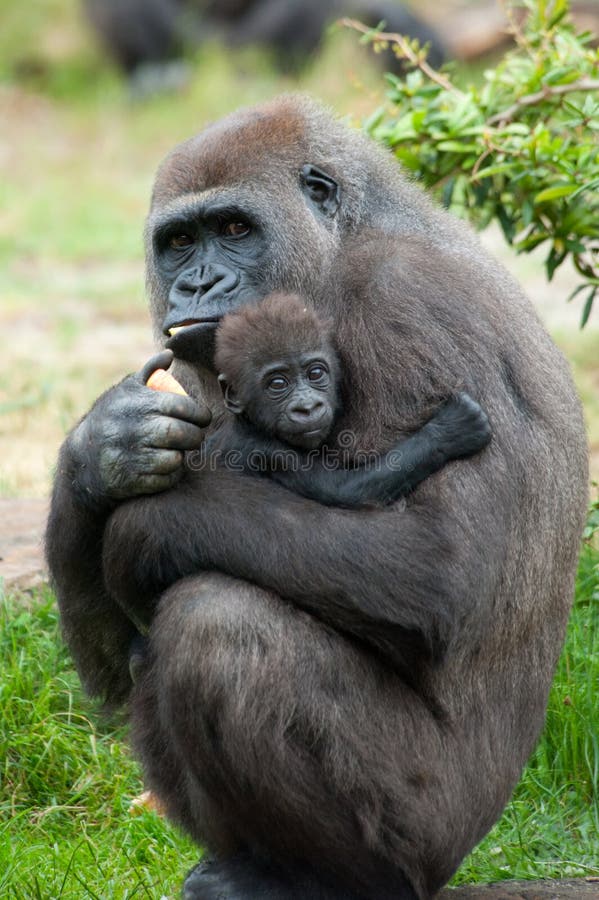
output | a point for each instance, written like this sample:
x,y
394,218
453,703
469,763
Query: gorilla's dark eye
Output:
x,y
277,383
180,241
316,373
236,229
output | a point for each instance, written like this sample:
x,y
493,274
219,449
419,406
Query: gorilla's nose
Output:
x,y
203,280
219,277
305,411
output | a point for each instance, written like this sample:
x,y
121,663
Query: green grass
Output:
x,y
68,777
67,780
551,827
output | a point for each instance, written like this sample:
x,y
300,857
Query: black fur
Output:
x,y
281,337
346,694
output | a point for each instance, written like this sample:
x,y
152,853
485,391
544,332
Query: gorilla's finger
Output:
x,y
155,484
162,462
160,360
176,406
167,433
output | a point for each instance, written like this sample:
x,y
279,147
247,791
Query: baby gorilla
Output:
x,y
280,378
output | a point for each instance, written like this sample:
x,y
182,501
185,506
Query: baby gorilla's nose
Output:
x,y
304,411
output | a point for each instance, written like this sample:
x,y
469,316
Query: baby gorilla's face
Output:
x,y
294,398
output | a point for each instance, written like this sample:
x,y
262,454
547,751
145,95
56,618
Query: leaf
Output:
x,y
529,243
574,246
507,224
560,9
528,212
517,128
588,306
554,261
562,190
457,147
537,169
374,120
474,131
562,75
448,193
499,169
408,158
581,287
589,186
418,117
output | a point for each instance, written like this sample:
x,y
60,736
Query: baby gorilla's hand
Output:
x,y
461,427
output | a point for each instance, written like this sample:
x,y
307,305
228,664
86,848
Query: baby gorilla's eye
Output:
x,y
180,241
277,383
316,373
236,229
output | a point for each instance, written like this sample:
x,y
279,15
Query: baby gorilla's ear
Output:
x,y
231,402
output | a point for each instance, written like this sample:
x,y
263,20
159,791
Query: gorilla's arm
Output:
x,y
95,628
130,443
405,581
460,428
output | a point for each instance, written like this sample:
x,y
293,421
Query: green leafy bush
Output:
x,y
522,148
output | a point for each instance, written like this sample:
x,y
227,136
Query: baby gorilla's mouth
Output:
x,y
308,440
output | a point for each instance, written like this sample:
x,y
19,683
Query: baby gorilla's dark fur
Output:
x,y
280,377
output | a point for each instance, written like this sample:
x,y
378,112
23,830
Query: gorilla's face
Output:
x,y
293,398
209,255
218,250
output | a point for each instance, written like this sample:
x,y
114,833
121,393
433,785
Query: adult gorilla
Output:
x,y
337,702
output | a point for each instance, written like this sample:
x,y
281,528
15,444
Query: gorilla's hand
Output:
x,y
460,428
132,440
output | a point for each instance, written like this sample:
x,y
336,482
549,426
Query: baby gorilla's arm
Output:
x,y
459,428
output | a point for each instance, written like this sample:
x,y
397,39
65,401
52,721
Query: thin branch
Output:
x,y
516,19
382,37
490,149
585,84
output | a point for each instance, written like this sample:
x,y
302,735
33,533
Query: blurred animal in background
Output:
x,y
147,38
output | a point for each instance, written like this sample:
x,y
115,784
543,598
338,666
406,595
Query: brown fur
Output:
x,y
278,327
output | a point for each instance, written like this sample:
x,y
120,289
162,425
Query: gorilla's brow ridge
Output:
x,y
196,205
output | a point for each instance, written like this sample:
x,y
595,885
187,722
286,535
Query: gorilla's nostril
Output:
x,y
219,277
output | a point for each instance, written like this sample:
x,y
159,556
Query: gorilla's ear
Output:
x,y
321,189
231,401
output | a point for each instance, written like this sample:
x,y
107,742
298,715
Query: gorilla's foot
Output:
x,y
244,878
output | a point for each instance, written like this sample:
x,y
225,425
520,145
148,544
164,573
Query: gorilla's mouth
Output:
x,y
191,323
308,440
193,340
312,439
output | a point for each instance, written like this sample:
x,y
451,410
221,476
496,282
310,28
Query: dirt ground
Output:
x,y
578,889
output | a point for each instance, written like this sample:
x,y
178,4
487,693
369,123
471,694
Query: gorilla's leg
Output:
x,y
282,739
244,876
165,771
